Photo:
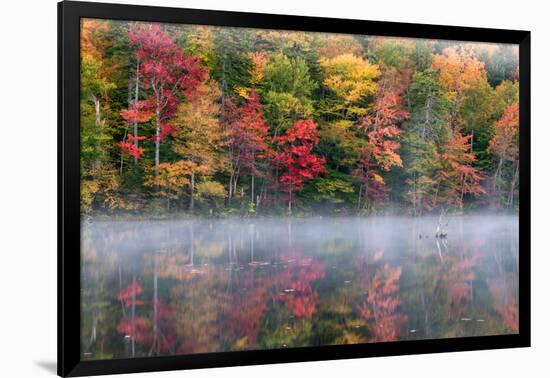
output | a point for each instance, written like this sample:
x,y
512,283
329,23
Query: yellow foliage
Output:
x,y
170,178
200,44
88,190
458,71
282,40
102,184
210,189
90,46
241,343
333,45
200,136
259,61
351,78
242,91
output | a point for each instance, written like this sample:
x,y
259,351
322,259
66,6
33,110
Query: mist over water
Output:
x,y
203,285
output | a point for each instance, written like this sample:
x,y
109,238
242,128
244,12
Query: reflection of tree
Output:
x,y
98,312
196,299
289,320
244,309
157,335
381,307
213,288
298,295
456,277
197,303
505,300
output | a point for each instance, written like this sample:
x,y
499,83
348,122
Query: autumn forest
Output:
x,y
179,119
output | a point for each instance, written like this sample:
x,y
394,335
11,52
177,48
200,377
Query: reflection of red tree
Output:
x,y
381,307
457,276
246,308
139,329
504,303
299,296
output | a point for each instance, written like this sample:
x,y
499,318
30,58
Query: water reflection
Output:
x,y
178,287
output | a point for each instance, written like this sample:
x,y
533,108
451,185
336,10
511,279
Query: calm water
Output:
x,y
178,287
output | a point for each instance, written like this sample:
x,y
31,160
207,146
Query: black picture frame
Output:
x,y
69,14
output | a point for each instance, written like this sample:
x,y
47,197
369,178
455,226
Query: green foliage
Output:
x,y
287,88
210,193
334,188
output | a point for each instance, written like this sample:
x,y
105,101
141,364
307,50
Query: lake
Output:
x,y
193,286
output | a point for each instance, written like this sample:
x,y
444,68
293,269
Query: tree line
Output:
x,y
220,121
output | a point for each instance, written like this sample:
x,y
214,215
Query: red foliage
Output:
x,y
248,134
139,112
458,175
129,292
366,173
295,155
164,67
129,148
132,138
381,126
166,74
166,129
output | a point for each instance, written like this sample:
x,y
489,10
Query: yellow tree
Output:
x,y
259,61
459,73
200,138
352,80
333,45
170,179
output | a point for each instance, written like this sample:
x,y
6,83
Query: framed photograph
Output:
x,y
239,188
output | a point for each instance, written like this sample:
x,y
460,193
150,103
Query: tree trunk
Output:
x,y
290,202
513,183
252,189
496,179
359,198
192,192
157,142
230,188
415,199
133,320
155,342
136,98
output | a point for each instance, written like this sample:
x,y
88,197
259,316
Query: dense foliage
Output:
x,y
215,121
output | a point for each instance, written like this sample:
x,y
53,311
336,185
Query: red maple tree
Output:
x,y
167,75
381,126
248,133
458,176
295,157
